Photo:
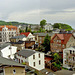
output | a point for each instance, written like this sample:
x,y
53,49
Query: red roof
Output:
x,y
47,59
63,37
9,27
25,33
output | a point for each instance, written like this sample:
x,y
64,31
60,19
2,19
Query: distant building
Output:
x,y
35,27
29,36
6,32
48,27
62,41
69,57
20,45
32,58
18,38
56,30
10,67
7,51
39,37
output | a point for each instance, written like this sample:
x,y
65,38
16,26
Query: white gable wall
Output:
x,y
36,60
6,51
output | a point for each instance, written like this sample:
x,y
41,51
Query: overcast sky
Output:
x,y
33,11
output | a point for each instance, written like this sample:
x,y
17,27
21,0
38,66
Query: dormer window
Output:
x,y
10,47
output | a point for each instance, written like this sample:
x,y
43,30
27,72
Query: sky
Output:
x,y
33,11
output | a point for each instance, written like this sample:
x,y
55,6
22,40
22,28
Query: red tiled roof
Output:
x,y
25,33
9,27
63,37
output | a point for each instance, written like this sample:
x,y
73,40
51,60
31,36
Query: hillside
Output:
x,y
62,26
11,23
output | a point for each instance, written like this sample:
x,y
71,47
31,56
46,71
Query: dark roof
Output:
x,y
73,46
43,34
5,61
26,53
19,42
4,45
18,37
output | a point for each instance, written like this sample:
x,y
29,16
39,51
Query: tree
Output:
x,y
56,25
29,30
46,43
26,29
57,58
42,23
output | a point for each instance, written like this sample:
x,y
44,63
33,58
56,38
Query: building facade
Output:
x,y
31,58
48,27
69,57
39,37
62,41
7,51
6,32
10,67
29,36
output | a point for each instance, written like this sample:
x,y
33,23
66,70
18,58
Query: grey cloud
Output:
x,y
45,9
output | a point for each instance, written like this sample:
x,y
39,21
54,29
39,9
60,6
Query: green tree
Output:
x,y
46,43
26,29
29,30
57,58
56,25
42,23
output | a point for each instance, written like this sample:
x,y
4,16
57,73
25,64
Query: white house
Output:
x,y
6,32
29,36
69,57
32,58
7,51
48,27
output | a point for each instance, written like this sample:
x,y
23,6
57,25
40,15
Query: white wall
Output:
x,y
36,60
67,50
6,51
30,60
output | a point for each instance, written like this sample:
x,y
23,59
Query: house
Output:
x,y
20,45
64,72
10,67
30,44
29,36
7,51
39,37
35,27
69,57
6,32
56,30
48,27
62,41
32,58
18,38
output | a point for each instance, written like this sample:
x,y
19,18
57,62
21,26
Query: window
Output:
x,y
39,62
63,46
33,56
70,52
73,58
73,52
39,55
14,71
34,63
40,41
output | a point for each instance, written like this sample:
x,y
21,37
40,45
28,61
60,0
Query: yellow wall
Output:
x,y
19,71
